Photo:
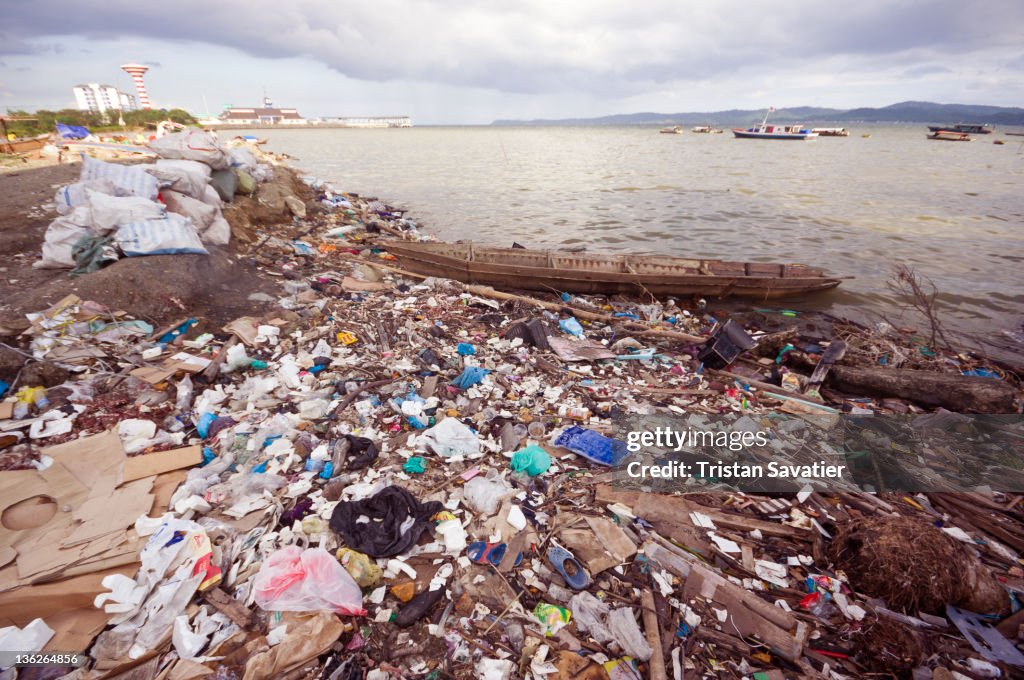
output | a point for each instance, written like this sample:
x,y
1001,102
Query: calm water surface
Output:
x,y
853,206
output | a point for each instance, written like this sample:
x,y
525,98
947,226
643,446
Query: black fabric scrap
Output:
x,y
383,535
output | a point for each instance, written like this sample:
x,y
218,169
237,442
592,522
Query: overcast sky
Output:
x,y
472,61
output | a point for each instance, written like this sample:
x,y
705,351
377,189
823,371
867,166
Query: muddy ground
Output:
x,y
159,289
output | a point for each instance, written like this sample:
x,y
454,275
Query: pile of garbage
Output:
x,y
387,475
171,206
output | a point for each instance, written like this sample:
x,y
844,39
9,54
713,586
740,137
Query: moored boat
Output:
x,y
24,145
831,132
950,136
970,128
765,131
674,130
548,270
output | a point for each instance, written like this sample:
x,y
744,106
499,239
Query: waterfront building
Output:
x,y
102,98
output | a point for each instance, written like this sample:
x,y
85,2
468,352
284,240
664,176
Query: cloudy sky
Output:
x,y
471,61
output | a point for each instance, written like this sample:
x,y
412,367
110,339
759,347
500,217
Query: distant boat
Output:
x,y
831,132
24,144
950,136
707,130
971,128
674,130
765,131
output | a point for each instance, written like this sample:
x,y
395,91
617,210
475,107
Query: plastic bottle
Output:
x,y
581,413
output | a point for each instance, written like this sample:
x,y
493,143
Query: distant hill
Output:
x,y
903,112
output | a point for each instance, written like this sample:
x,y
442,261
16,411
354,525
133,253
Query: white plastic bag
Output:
x,y
61,236
131,180
201,214
240,157
484,495
211,197
191,144
451,437
188,177
110,212
297,580
218,233
170,236
75,195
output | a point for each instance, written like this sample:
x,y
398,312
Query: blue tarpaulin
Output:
x,y
72,131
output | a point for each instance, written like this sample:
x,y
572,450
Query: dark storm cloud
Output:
x,y
534,46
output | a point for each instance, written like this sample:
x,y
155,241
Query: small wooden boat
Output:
x,y
950,136
548,270
674,130
24,145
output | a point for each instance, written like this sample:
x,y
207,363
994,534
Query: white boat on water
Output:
x,y
832,132
765,131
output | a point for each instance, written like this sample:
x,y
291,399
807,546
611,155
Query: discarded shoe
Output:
x,y
569,567
418,607
489,553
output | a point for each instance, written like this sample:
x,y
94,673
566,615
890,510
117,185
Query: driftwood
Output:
x,y
959,393
638,328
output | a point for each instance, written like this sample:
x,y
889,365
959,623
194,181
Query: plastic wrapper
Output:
x,y
299,580
451,437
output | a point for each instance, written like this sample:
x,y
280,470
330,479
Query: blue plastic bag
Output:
x,y
466,349
592,445
571,326
471,375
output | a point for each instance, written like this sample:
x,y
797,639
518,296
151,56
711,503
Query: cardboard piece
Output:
x,y
150,464
101,515
7,409
579,350
98,459
154,375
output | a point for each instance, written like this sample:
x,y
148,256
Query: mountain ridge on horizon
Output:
x,y
900,112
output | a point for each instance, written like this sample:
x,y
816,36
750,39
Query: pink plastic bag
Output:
x,y
297,580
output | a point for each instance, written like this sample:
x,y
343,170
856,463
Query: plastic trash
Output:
x,y
552,617
465,349
172,235
571,326
626,631
416,465
451,437
725,346
494,669
533,460
110,212
591,616
361,567
592,445
484,495
576,577
297,580
471,375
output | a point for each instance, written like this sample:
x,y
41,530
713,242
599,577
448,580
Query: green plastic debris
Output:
x,y
533,460
415,465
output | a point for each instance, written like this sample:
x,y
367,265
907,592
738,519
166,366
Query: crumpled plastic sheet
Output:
x,y
297,580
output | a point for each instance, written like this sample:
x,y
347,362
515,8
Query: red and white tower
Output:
x,y
136,71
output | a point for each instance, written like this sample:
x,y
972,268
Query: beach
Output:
x,y
435,472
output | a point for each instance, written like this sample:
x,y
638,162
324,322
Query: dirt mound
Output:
x,y
915,567
161,288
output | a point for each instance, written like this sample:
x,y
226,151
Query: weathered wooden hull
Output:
x,y
22,145
607,274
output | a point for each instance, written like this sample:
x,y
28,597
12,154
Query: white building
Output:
x,y
102,98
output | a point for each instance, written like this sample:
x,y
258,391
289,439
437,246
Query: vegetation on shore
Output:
x,y
44,121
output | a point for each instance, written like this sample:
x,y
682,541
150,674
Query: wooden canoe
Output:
x,y
590,273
